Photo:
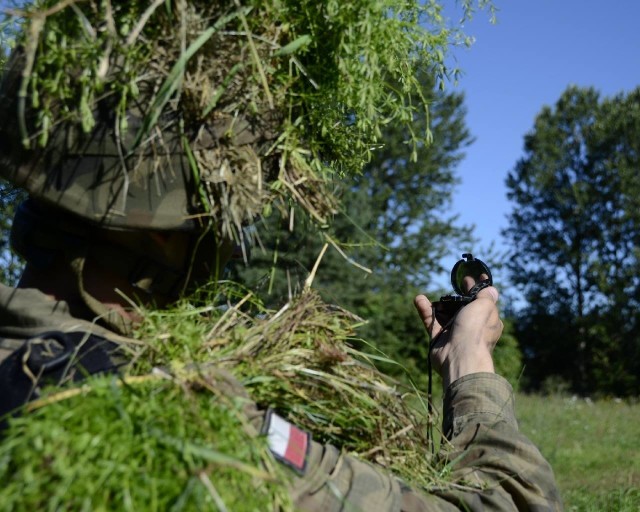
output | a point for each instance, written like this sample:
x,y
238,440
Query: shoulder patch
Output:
x,y
288,443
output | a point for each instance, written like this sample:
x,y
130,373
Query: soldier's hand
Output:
x,y
465,347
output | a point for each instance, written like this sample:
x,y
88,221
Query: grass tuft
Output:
x,y
299,360
149,445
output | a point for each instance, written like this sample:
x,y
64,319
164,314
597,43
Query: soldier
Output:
x,y
76,265
100,227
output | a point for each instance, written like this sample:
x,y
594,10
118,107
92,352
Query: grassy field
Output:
x,y
593,447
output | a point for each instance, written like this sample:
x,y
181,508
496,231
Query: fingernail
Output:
x,y
494,293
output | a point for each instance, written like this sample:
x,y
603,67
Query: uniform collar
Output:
x,y
27,312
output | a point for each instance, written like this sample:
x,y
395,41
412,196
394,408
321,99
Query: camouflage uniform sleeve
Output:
x,y
494,466
500,468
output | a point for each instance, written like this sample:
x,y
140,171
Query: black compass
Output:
x,y
468,276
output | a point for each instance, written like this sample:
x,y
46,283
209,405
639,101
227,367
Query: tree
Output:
x,y
575,231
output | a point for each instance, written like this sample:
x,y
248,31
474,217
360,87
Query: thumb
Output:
x,y
489,293
425,310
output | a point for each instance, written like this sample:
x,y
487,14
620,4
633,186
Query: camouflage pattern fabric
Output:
x,y
496,468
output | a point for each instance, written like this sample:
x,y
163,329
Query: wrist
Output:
x,y
457,367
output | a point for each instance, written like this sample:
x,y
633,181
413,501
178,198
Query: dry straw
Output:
x,y
300,360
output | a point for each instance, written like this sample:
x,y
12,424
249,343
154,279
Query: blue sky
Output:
x,y
524,61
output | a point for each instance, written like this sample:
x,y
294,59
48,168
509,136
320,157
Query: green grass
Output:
x,y
593,447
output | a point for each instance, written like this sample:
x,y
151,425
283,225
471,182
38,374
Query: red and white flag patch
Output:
x,y
288,443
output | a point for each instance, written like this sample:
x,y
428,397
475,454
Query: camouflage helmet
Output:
x,y
116,181
200,114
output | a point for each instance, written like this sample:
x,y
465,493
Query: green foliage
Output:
x,y
575,230
151,445
332,59
10,264
394,329
591,446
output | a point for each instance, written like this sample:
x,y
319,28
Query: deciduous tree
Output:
x,y
575,234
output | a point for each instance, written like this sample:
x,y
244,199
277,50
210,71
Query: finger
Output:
x,y
425,310
424,307
468,282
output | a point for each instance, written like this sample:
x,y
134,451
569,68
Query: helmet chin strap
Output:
x,y
108,315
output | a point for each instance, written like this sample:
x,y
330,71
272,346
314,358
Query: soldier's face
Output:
x,y
199,257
